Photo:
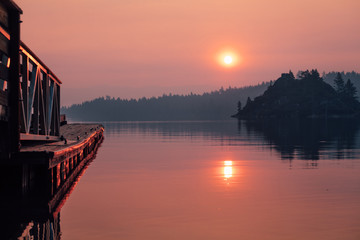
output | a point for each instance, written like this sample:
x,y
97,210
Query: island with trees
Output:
x,y
307,96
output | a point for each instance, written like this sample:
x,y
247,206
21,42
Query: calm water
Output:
x,y
220,180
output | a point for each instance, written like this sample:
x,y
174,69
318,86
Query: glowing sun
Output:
x,y
228,59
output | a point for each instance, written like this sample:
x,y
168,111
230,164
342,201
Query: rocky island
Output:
x,y
306,96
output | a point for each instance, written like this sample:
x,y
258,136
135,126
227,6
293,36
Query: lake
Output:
x,y
220,180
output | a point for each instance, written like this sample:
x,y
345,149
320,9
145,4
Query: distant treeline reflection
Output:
x,y
306,139
309,139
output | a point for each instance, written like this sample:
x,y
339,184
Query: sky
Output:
x,y
136,48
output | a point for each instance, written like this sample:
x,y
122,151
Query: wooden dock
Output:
x,y
41,177
40,160
77,141
57,163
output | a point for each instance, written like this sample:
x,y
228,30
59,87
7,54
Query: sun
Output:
x,y
228,59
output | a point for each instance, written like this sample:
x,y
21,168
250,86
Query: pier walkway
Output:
x,y
41,157
76,140
30,120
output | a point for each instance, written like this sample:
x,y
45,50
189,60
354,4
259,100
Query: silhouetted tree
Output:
x,y
291,75
315,74
353,76
248,101
350,89
303,74
339,84
239,106
310,75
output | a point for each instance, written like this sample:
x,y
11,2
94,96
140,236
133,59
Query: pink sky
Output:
x,y
135,48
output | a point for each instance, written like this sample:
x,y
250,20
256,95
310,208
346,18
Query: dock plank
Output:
x,y
70,132
79,140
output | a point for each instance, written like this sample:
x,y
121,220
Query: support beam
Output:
x,y
14,81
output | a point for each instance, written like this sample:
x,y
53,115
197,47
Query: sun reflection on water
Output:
x,y
228,170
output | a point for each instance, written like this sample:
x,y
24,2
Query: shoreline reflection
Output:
x,y
308,139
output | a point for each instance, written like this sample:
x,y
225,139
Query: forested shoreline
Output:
x,y
215,105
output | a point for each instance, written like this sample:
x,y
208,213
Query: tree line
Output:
x,y
353,76
215,105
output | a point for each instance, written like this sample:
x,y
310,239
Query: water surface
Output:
x,y
220,180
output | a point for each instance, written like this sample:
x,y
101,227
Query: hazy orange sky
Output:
x,y
135,48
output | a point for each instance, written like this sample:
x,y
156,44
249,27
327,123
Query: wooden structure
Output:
x,y
29,90
78,141
31,138
41,156
60,158
40,99
9,29
33,201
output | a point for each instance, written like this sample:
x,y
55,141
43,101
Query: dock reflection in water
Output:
x,y
205,180
31,200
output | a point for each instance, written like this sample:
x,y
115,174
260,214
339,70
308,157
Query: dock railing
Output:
x,y
29,90
39,99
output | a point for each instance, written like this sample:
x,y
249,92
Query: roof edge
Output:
x,y
12,5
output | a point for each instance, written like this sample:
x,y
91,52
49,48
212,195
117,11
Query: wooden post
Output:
x,y
14,80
